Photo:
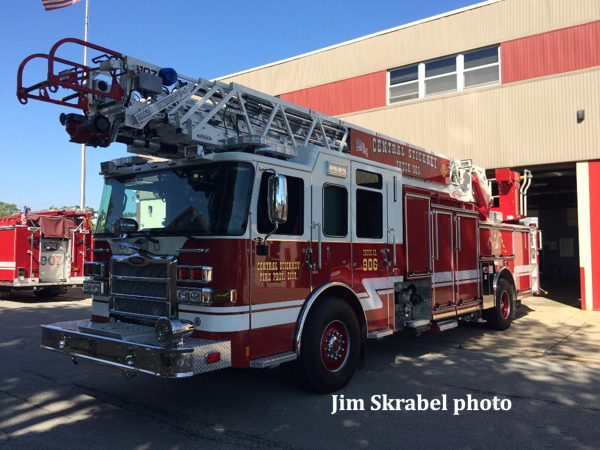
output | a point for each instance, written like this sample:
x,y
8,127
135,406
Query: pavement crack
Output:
x,y
565,338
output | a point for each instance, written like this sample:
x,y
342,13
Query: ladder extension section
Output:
x,y
157,112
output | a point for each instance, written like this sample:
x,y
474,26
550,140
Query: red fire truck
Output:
x,y
43,251
268,233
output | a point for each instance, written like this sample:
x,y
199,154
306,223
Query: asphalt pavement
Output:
x,y
551,383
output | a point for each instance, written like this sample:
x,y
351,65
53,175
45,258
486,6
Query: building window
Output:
x,y
295,221
448,74
404,83
440,76
335,211
481,67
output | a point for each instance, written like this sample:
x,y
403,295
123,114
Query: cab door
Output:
x,y
330,252
370,247
280,279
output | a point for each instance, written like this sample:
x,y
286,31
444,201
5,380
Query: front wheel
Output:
x,y
330,347
501,315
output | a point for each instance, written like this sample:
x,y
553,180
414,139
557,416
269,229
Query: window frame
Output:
x,y
304,211
459,73
405,83
381,191
345,188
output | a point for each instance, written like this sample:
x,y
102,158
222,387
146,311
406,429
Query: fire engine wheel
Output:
x,y
4,293
330,348
500,316
49,293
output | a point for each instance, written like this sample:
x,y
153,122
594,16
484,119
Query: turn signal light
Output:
x,y
92,269
201,274
213,357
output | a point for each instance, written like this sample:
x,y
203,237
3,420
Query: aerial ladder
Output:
x,y
157,112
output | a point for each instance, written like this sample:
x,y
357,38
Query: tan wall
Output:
x,y
519,124
478,27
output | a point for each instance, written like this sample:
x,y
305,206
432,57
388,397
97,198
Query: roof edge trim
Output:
x,y
369,36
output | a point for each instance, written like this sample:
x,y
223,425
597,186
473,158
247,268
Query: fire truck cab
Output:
x,y
250,232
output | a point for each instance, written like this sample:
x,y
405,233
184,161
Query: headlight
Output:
x,y
168,331
93,287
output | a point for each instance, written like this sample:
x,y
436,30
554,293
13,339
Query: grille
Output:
x,y
146,307
136,290
139,288
147,271
423,310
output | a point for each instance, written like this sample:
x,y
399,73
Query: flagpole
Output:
x,y
85,38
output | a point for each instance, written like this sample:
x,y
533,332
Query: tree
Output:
x,y
91,222
8,209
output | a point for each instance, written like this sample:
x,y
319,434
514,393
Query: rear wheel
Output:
x,y
501,315
4,293
49,293
330,348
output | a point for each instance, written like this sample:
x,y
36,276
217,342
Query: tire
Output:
x,y
330,347
501,315
49,293
4,293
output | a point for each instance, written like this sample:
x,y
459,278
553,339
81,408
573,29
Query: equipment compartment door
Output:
x,y
54,265
418,235
523,265
443,262
467,261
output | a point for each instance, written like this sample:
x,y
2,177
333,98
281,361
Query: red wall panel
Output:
x,y
594,168
549,53
345,96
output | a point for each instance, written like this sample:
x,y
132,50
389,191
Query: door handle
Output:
x,y
317,225
459,244
386,257
393,231
437,238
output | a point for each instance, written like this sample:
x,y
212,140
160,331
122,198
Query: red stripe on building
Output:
x,y
550,53
594,168
345,96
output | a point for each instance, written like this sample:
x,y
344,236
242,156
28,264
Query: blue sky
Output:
x,y
40,167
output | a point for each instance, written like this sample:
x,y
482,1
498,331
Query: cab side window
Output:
x,y
335,211
295,221
369,205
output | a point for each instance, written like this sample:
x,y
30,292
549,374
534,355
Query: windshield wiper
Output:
x,y
135,247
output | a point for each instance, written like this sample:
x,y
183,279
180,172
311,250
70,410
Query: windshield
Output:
x,y
211,199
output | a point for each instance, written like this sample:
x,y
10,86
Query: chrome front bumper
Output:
x,y
133,347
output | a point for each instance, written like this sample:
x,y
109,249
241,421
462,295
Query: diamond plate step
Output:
x,y
378,334
272,360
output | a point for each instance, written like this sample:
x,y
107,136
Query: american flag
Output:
x,y
49,5
361,147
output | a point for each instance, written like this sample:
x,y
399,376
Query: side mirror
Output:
x,y
278,202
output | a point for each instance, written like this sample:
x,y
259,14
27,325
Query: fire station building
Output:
x,y
504,83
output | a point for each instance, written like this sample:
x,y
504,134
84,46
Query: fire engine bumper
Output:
x,y
134,347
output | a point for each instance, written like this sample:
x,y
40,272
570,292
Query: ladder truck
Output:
x,y
247,231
